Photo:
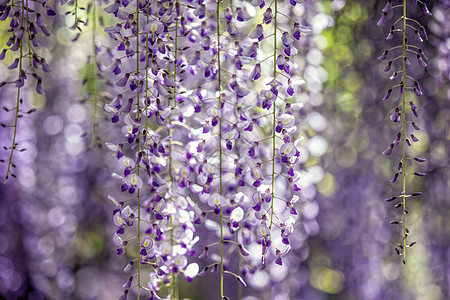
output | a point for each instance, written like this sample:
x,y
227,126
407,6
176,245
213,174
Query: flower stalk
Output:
x,y
220,145
18,101
407,84
274,120
404,133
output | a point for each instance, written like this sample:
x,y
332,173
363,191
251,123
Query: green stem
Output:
x,y
28,39
404,132
220,146
16,117
173,275
94,73
138,115
76,14
274,111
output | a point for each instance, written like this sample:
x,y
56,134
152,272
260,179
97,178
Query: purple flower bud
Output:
x,y
395,115
241,281
297,31
19,33
2,55
257,33
414,138
123,81
238,63
200,219
256,73
200,11
384,55
278,261
424,57
291,171
115,118
420,61
393,76
407,62
425,9
388,151
113,8
388,66
388,94
390,199
390,35
418,93
293,211
382,20
423,32
417,36
408,142
231,29
251,51
413,108
127,284
249,127
206,43
257,207
244,252
228,14
128,267
39,87
204,253
14,64
394,179
286,39
263,263
290,90
268,16
415,126
397,138
242,15
120,229
388,6
279,127
257,183
51,12
420,174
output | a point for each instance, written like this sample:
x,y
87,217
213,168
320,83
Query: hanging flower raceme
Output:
x,y
28,23
412,31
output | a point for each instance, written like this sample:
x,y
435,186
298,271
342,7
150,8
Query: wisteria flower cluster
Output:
x,y
28,22
409,30
195,137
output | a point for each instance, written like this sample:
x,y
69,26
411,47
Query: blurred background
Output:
x,y
56,221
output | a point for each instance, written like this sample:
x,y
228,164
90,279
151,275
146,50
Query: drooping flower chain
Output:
x,y
28,22
410,29
207,156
